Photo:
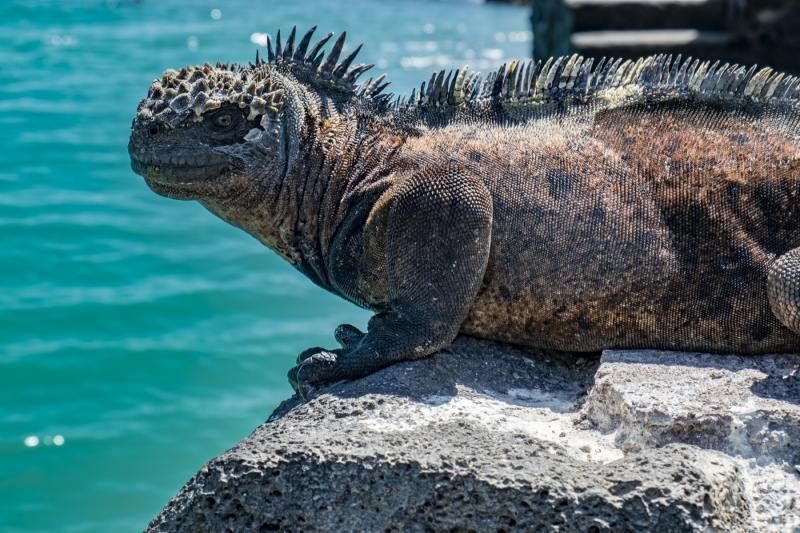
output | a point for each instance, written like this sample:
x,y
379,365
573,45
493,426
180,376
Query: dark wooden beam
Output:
x,y
702,15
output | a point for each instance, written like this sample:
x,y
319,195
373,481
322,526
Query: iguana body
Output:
x,y
646,205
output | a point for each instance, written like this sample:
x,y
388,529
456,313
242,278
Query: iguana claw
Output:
x,y
305,354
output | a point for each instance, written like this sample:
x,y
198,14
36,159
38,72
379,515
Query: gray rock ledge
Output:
x,y
490,437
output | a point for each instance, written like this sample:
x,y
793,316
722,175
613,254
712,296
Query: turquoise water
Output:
x,y
140,336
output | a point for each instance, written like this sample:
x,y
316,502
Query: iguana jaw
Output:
x,y
177,170
183,176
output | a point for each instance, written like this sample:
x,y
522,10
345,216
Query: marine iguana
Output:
x,y
568,206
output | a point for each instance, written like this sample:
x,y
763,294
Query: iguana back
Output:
x,y
648,225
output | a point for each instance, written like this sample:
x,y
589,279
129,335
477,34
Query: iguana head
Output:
x,y
212,131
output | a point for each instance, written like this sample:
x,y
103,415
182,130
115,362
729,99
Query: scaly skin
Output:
x,y
647,205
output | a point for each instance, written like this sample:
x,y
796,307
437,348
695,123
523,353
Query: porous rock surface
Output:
x,y
489,437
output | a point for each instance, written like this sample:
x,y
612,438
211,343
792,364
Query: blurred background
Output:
x,y
140,336
744,32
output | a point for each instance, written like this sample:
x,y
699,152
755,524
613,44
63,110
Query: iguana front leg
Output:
x,y
438,236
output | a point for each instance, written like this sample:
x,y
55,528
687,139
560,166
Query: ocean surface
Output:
x,y
141,336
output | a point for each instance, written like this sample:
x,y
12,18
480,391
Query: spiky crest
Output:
x,y
515,84
208,87
573,77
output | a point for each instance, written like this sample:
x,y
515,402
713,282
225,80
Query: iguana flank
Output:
x,y
647,204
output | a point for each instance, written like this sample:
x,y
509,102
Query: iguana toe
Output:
x,y
305,354
316,369
347,335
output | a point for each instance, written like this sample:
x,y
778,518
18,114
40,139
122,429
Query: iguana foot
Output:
x,y
315,367
346,335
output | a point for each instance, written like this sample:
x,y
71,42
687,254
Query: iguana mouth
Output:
x,y
177,169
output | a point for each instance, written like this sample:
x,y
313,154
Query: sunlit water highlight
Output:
x,y
140,336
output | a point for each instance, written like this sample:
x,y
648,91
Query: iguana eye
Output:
x,y
224,121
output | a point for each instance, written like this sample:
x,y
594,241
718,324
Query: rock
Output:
x,y
490,437
745,406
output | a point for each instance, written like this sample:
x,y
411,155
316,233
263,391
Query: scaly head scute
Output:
x,y
206,88
205,125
